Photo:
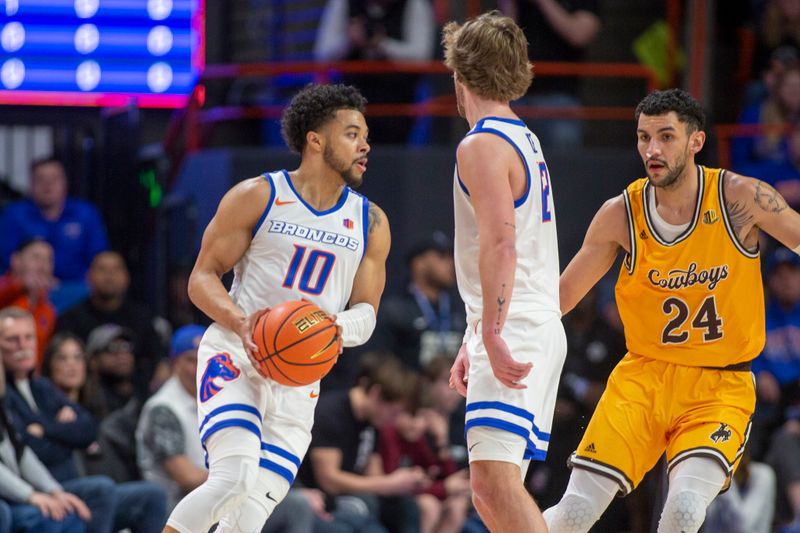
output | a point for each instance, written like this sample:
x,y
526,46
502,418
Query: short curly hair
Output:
x,y
489,54
312,107
689,110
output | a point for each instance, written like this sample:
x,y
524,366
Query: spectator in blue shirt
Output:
x,y
74,228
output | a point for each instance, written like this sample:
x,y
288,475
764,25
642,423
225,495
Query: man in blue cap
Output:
x,y
168,446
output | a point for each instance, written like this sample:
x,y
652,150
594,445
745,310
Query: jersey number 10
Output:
x,y
308,268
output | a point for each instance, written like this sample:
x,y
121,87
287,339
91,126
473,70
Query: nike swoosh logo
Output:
x,y
322,350
269,497
284,202
470,448
313,394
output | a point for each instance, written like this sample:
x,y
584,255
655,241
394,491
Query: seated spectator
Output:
x,y
777,368
113,454
74,228
748,506
64,364
394,30
784,457
55,428
167,442
427,319
107,303
343,459
28,283
110,383
421,440
445,415
38,502
781,108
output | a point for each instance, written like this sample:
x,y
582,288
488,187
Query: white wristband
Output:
x,y
357,324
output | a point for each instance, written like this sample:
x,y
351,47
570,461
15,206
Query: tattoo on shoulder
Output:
x,y
738,216
768,199
374,216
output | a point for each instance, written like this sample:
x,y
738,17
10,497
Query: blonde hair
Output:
x,y
489,55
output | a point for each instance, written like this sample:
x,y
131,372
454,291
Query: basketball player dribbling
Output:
x,y
506,258
287,235
689,294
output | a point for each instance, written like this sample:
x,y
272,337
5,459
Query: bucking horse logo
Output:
x,y
722,434
220,366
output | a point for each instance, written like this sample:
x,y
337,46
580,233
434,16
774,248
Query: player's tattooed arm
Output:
x,y
754,205
375,216
768,199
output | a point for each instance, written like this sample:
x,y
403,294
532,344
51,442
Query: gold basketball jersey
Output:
x,y
697,300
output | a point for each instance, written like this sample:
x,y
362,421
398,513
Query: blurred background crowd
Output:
x,y
102,209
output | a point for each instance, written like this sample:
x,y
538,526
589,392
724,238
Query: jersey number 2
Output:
x,y
544,176
706,319
308,270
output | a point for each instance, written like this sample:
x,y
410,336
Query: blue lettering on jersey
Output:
x,y
315,235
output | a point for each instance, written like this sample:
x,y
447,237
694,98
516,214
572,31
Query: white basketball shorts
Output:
x,y
528,412
231,393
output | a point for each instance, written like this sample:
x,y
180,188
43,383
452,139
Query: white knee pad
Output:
x,y
585,499
249,517
693,484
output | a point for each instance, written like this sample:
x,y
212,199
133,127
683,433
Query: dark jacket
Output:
x,y
60,439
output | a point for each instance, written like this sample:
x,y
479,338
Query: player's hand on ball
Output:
x,y
508,371
459,372
245,332
338,333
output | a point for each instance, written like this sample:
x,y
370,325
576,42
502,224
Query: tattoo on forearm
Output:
x,y
739,217
374,216
501,301
768,199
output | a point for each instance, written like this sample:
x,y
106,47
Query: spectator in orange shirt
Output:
x,y
27,285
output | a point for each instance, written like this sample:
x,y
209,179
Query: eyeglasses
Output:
x,y
119,346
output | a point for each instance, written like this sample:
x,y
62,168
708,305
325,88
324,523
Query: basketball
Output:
x,y
297,343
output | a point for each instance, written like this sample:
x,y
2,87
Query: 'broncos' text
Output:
x,y
315,235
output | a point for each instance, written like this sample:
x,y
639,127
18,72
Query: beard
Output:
x,y
673,173
344,169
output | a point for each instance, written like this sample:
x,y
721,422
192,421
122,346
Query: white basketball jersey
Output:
x,y
299,252
536,278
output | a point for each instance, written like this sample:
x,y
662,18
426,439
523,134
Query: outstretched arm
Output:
x,y
753,204
607,234
225,241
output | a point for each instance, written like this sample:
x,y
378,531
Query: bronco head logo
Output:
x,y
220,366
722,434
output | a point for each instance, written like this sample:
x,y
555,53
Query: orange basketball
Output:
x,y
297,343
